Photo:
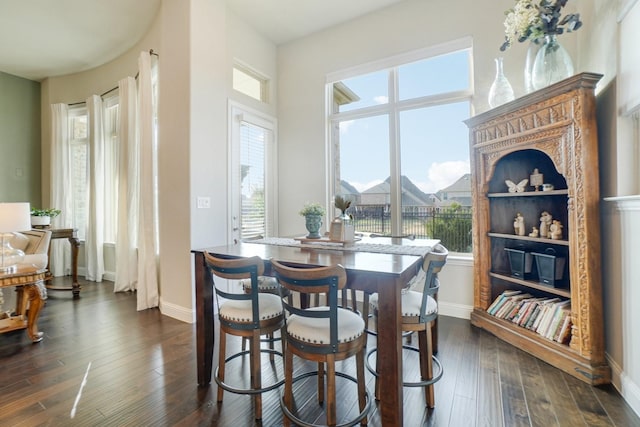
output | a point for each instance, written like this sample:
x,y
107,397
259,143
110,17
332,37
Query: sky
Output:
x,y
433,139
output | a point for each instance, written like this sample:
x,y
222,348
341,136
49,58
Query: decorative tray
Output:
x,y
325,240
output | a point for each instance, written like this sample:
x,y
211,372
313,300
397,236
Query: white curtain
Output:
x,y
128,179
147,221
60,260
94,240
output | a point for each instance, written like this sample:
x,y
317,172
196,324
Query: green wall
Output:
x,y
20,147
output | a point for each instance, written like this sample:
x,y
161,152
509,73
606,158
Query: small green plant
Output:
x,y
342,203
50,212
312,209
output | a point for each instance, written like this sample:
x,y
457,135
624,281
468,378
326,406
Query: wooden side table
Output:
x,y
29,283
70,234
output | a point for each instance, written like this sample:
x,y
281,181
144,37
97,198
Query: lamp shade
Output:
x,y
15,217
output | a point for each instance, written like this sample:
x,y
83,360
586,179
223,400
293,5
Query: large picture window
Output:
x,y
399,144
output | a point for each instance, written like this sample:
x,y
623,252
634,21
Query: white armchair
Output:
x,y
35,245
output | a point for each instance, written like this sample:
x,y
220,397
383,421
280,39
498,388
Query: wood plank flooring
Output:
x,y
120,367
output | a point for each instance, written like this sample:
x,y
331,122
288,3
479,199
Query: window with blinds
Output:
x,y
252,180
252,208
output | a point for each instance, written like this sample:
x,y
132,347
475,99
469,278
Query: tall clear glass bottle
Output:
x,y
501,91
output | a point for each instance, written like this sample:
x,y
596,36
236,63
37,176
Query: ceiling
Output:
x,y
45,38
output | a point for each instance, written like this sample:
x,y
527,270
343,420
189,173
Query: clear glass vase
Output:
x,y
530,59
501,91
552,63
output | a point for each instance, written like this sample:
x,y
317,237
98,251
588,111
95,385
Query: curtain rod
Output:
x,y
151,52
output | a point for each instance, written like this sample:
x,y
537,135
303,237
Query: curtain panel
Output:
x,y
128,178
60,259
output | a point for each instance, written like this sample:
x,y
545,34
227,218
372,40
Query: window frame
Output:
x,y
238,113
392,109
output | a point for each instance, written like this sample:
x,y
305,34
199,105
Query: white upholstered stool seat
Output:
x,y
411,304
316,331
265,284
269,306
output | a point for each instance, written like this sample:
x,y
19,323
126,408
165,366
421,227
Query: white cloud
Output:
x,y
442,175
381,99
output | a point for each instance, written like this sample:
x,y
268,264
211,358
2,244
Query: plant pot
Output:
x,y
40,221
313,224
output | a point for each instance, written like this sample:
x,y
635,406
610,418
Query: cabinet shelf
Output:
x,y
552,131
565,293
530,194
530,239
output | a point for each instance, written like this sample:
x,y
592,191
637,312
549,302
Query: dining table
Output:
x,y
382,265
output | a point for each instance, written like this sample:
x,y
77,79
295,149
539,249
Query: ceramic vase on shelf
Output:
x,y
530,59
552,63
501,91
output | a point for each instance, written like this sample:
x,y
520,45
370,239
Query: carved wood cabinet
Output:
x,y
554,131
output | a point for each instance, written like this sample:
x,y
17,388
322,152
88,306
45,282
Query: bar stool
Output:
x,y
323,334
419,312
247,315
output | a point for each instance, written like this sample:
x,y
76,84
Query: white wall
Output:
x,y
616,24
406,26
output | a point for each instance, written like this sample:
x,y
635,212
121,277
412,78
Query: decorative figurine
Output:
x,y
545,223
534,232
516,188
556,230
536,179
518,225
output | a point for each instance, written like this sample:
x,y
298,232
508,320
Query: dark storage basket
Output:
x,y
550,267
520,262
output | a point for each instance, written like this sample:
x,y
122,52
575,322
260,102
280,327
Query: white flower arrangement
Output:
x,y
532,20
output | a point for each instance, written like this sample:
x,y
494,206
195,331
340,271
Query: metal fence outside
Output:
x,y
451,225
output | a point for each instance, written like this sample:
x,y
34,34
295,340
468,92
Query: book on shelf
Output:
x,y
563,315
544,308
520,309
564,335
511,304
527,311
495,305
550,318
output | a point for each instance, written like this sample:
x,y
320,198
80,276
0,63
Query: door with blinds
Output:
x,y
253,172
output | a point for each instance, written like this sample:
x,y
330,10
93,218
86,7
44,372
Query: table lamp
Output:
x,y
13,217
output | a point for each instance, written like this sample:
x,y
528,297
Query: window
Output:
x,y
111,119
79,164
399,145
78,147
250,83
252,174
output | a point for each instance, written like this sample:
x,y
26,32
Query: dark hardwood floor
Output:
x,y
120,367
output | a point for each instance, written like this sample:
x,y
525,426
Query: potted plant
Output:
x,y
313,213
42,217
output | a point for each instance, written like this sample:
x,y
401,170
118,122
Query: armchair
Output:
x,y
35,244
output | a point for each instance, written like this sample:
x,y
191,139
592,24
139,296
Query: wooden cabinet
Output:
x,y
553,130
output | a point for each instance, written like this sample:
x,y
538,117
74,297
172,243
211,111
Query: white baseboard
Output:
x,y
454,310
630,392
177,312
